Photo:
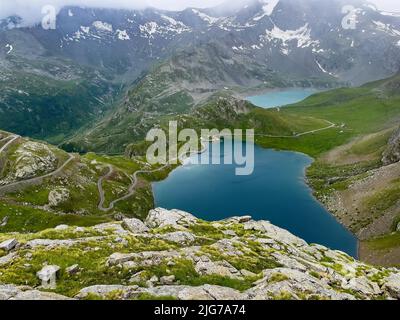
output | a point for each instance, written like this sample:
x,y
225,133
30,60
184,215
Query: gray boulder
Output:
x,y
8,291
7,259
12,292
74,269
9,244
104,291
204,292
58,196
161,218
221,268
134,225
180,237
167,280
363,286
392,285
39,295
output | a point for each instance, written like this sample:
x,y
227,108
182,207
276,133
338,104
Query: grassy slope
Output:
x,y
174,88
371,109
360,110
356,111
28,209
365,118
49,99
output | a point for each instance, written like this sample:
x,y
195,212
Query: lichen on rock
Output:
x,y
174,255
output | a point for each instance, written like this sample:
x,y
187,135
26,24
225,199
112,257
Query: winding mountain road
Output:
x,y
13,138
36,180
131,190
134,177
135,180
331,125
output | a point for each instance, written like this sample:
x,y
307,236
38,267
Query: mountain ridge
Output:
x,y
174,255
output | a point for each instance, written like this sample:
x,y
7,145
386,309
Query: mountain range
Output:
x,y
76,190
93,64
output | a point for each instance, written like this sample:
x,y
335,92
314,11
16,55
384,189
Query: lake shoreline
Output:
x,y
173,193
305,180
262,91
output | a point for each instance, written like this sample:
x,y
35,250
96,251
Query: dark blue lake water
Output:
x,y
280,98
276,191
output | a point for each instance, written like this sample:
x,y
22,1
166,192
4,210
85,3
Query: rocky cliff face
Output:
x,y
392,152
175,255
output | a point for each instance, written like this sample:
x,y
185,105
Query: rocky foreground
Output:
x,y
174,255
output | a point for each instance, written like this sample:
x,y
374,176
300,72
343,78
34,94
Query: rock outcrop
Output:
x,y
392,152
11,292
58,196
175,255
32,159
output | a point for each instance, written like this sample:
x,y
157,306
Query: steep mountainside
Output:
x,y
175,89
47,96
174,255
351,174
86,63
42,186
392,152
305,44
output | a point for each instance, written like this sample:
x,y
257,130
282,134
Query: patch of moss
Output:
x,y
147,296
277,277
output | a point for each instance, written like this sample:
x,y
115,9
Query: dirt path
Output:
x,y
134,177
34,181
8,143
331,125
135,180
100,186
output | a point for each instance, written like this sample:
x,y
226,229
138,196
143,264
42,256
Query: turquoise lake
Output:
x,y
276,191
280,98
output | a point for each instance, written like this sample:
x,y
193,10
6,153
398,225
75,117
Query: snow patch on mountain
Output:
x,y
103,26
85,29
148,29
170,20
175,26
386,28
285,51
391,14
323,69
301,35
256,47
122,35
268,9
210,20
78,35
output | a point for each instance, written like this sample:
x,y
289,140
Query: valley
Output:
x,y
80,201
67,191
341,168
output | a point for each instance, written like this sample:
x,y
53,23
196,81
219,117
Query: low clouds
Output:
x,y
388,5
30,10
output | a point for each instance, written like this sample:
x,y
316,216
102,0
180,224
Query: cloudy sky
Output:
x,y
30,9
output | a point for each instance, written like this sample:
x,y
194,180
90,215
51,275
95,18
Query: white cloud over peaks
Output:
x,y
30,10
